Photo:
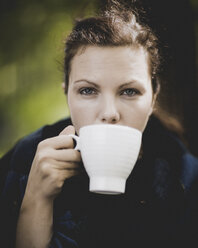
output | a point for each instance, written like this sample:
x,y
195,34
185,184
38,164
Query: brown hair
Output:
x,y
115,26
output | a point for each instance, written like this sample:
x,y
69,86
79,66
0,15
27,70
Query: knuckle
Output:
x,y
43,143
45,169
42,156
59,184
57,180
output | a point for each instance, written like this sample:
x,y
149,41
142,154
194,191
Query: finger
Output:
x,y
59,165
58,142
65,174
70,173
67,155
68,130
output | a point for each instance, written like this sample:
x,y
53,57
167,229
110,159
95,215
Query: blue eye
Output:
x,y
87,91
130,92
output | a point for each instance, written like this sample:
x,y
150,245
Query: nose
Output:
x,y
109,112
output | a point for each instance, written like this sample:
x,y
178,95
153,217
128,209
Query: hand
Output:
x,y
54,162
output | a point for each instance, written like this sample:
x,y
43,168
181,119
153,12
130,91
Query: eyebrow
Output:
x,y
96,85
86,81
129,83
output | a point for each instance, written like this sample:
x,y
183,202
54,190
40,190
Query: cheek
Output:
x,y
139,113
82,113
143,117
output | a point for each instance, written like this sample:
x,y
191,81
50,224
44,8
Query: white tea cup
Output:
x,y
109,153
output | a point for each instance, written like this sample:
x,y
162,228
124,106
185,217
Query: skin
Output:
x,y
106,85
55,161
110,85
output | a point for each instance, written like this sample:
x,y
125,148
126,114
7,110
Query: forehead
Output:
x,y
113,61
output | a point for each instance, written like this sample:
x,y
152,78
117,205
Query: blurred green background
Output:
x,y
31,64
32,37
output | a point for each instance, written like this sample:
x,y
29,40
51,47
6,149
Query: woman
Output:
x,y
111,64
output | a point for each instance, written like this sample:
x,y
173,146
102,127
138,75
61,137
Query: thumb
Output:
x,y
68,130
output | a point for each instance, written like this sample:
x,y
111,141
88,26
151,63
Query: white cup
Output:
x,y
109,153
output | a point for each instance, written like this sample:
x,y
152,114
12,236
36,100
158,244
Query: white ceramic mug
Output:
x,y
109,153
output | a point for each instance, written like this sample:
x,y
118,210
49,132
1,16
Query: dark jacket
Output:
x,y
158,209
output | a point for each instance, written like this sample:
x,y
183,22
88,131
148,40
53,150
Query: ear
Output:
x,y
155,94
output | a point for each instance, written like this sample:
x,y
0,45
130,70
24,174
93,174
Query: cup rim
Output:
x,y
112,126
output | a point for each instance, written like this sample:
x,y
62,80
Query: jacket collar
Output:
x,y
163,170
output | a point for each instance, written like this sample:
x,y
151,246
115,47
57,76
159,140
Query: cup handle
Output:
x,y
77,139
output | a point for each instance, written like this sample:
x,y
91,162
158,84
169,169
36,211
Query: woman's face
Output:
x,y
110,85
